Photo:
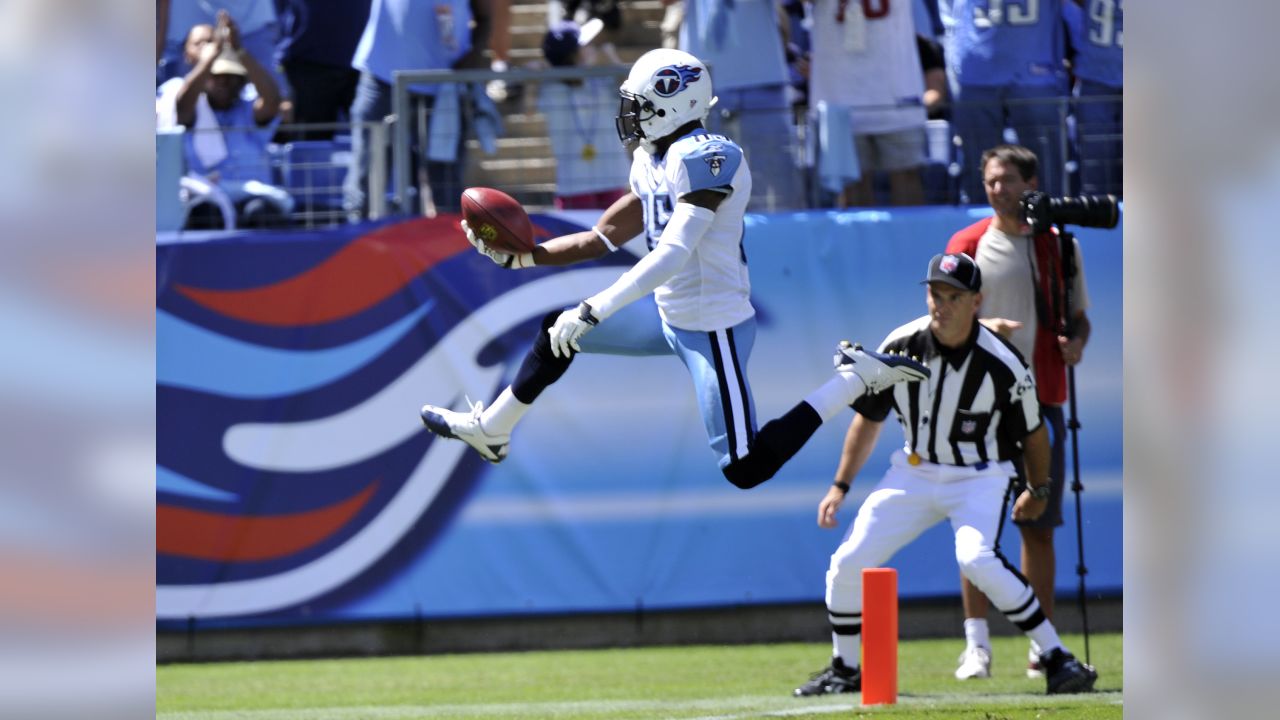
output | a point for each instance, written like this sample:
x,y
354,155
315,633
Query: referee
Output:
x,y
963,428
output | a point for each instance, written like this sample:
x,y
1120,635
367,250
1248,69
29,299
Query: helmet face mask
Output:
x,y
632,112
665,90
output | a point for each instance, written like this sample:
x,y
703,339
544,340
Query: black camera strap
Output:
x,y
1049,296
1068,254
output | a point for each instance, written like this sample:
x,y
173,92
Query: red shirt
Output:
x,y
1050,370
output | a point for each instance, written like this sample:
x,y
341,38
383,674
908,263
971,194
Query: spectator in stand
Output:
x,y
589,159
742,41
672,19
259,30
500,48
1097,41
928,24
799,53
866,63
229,105
411,35
1006,66
316,46
609,12
933,63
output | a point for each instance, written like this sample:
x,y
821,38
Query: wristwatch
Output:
x,y
1039,493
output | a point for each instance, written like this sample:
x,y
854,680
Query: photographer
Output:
x,y
1025,286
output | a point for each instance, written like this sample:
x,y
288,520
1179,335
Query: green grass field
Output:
x,y
744,681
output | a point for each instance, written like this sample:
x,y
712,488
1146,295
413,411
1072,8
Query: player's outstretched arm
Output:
x,y
688,223
621,222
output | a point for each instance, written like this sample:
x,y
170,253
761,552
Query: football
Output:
x,y
497,219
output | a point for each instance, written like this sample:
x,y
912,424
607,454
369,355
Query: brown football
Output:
x,y
497,219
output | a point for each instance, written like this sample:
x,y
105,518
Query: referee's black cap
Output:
x,y
955,269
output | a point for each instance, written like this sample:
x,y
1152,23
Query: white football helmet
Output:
x,y
665,89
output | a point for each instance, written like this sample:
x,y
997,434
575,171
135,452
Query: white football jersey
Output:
x,y
713,289
869,62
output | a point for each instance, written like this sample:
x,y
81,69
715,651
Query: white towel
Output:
x,y
206,137
207,141
837,152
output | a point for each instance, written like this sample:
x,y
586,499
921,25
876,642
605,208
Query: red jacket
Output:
x,y
1051,371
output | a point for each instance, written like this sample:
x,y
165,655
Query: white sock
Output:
x,y
501,416
976,633
835,395
848,648
1044,636
1035,648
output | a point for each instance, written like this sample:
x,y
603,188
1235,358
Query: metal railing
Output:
x,y
308,163
530,164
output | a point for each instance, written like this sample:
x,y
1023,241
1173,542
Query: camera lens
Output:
x,y
1100,211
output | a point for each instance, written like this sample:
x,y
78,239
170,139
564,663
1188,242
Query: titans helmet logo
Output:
x,y
673,78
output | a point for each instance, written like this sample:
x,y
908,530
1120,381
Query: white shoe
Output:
x,y
465,426
877,370
1034,667
975,662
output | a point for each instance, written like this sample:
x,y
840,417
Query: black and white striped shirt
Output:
x,y
977,406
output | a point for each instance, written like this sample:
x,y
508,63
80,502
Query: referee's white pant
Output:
x,y
908,501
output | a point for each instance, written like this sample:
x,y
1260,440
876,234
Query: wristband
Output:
x,y
1039,492
604,239
844,486
522,260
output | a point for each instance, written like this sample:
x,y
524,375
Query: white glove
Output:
x,y
506,260
571,325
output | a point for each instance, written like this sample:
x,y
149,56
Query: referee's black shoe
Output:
x,y
836,678
1063,673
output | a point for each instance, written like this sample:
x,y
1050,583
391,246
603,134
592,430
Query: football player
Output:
x,y
689,296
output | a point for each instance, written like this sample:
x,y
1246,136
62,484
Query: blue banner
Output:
x,y
295,481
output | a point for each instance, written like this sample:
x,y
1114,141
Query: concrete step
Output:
x,y
627,53
535,13
511,173
533,146
522,165
644,33
640,21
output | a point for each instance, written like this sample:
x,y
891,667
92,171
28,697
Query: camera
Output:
x,y
1100,211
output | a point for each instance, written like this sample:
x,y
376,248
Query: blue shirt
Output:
x,y
322,31
739,41
246,143
1014,42
414,35
250,16
1098,39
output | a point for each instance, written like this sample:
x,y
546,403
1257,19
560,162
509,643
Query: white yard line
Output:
x,y
749,706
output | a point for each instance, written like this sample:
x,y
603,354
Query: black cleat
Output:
x,y
836,678
1065,674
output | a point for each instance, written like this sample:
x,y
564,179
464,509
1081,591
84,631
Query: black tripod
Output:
x,y
1073,425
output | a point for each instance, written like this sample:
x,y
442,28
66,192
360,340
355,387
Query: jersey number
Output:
x,y
995,13
1102,29
657,217
871,9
